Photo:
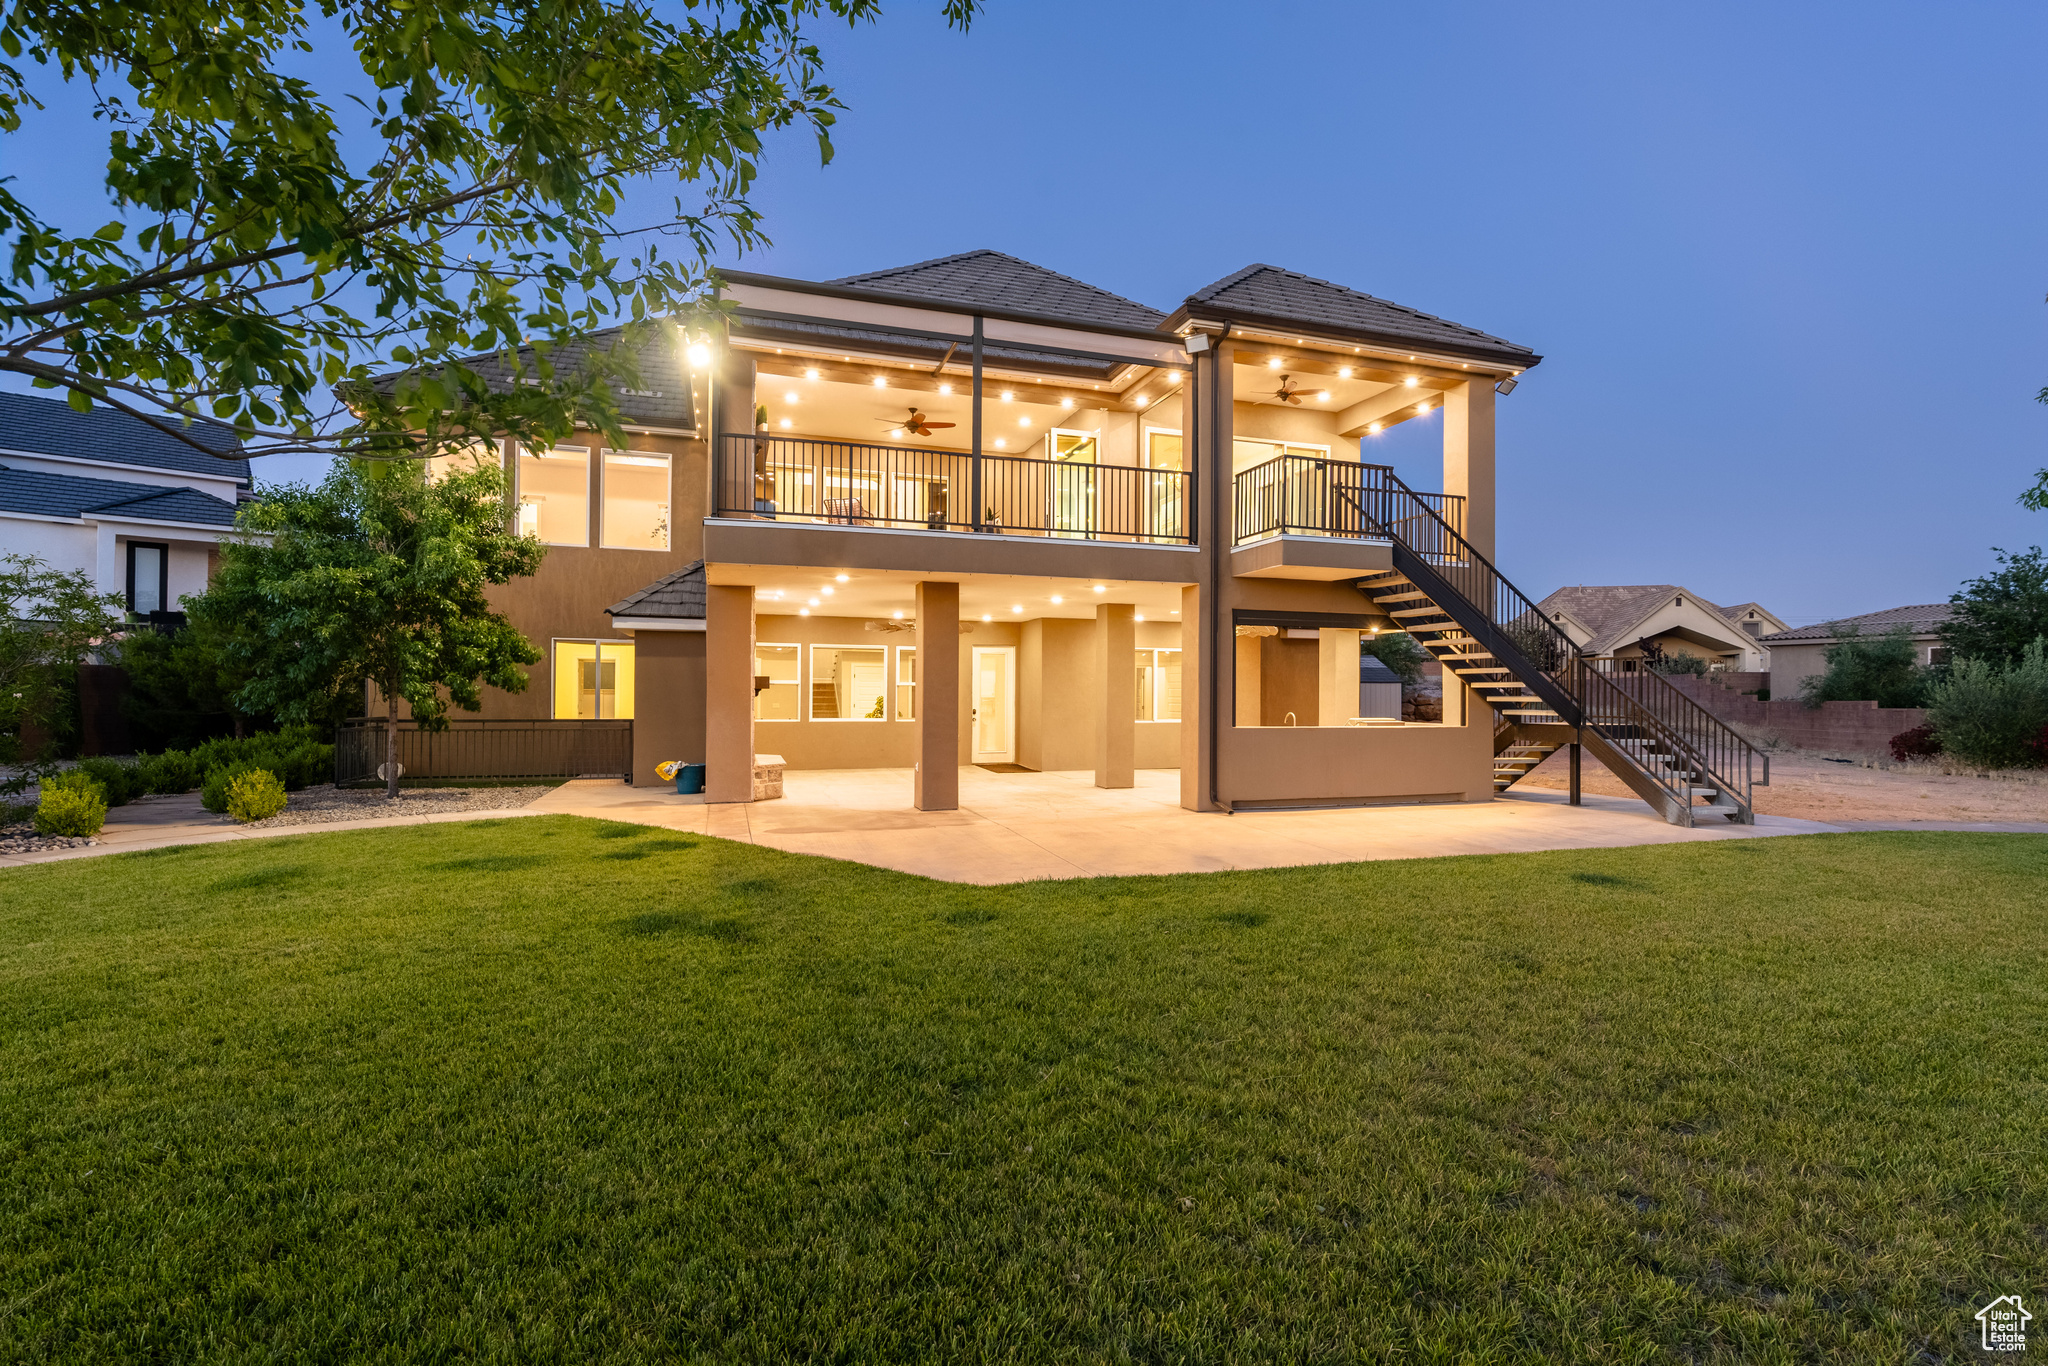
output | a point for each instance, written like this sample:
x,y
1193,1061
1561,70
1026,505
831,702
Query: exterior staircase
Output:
x,y
1545,694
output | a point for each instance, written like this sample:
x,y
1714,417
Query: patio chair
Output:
x,y
847,512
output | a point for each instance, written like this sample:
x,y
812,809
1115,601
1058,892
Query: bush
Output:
x,y
122,783
1882,669
1918,743
213,792
296,755
70,809
1680,662
76,780
254,795
1990,716
171,772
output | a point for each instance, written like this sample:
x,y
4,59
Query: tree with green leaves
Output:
x,y
377,574
442,183
50,620
1884,669
1398,651
1996,617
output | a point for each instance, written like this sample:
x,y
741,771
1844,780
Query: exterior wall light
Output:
x,y
699,355
1506,385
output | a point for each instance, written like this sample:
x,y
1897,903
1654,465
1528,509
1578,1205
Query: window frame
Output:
x,y
603,500
555,644
519,493
809,673
1157,675
163,573
798,646
896,683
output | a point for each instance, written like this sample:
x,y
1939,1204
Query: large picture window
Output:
x,y
779,700
593,680
149,577
636,498
848,683
1158,685
554,495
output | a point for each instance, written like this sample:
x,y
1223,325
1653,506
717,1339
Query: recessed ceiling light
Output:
x,y
1139,399
803,611
1422,407
897,615
1057,599
839,578
986,617
1016,607
897,434
1273,364
826,590
813,602
1100,588
785,424
1411,381
1344,372
1066,403
945,388
1139,616
810,374
789,397
1023,422
1009,394
881,381
1000,443
1374,427
1323,397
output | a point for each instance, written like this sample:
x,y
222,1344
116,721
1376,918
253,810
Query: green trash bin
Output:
x,y
690,780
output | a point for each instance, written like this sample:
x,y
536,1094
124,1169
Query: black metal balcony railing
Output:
x,y
488,749
851,483
1318,496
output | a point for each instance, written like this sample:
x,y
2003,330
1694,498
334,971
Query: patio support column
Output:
x,y
729,693
1468,457
1336,676
1116,722
1197,689
937,779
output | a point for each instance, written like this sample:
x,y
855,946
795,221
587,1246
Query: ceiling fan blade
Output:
x,y
941,424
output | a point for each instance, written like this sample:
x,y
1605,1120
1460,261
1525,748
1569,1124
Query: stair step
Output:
x,y
1430,611
1491,669
1412,596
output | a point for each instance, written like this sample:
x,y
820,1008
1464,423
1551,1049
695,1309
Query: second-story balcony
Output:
x,y
1295,495
909,488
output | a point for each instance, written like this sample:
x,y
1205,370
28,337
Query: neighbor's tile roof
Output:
x,y
680,594
993,280
1920,620
1286,296
664,399
1613,611
34,425
65,495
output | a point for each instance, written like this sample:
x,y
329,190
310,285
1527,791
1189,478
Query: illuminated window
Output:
x,y
847,683
1159,685
593,680
1163,454
777,701
636,494
554,495
906,682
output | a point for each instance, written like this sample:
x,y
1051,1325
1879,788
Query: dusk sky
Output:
x,y
1784,262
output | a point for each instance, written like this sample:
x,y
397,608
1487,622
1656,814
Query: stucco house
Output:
x,y
1802,654
1632,625
140,511
970,511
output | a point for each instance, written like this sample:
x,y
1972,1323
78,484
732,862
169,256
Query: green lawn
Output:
x,y
558,1090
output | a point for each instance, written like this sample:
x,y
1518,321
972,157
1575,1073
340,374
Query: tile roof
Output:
x,y
994,280
65,495
1286,296
679,595
1613,611
34,425
1920,620
665,400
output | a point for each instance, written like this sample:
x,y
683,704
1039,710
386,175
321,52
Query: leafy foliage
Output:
x,y
121,783
268,252
1990,714
181,687
1398,651
1882,669
50,619
1997,616
171,772
255,794
1680,662
1918,743
70,809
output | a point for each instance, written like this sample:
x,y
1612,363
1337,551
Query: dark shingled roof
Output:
x,y
1288,297
34,425
992,280
65,495
664,400
681,594
1612,612
1920,620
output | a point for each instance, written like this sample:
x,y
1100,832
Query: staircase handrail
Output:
x,y
1700,736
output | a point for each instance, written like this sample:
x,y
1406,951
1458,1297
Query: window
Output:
x,y
1164,453
906,682
149,578
462,459
636,485
777,701
1939,654
847,683
1246,453
1073,482
593,680
554,495
1159,685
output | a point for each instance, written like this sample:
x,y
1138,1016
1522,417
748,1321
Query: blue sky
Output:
x,y
1785,262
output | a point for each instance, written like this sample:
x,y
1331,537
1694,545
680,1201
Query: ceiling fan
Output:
x,y
1289,392
916,424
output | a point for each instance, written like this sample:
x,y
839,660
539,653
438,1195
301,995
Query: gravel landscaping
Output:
x,y
326,804
22,838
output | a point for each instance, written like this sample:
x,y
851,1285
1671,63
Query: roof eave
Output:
x,y
1193,312
930,305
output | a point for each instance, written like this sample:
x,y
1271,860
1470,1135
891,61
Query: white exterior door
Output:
x,y
995,704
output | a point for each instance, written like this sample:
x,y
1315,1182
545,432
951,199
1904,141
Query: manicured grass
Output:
x,y
558,1090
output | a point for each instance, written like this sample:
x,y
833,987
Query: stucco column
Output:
x,y
1336,676
1245,685
938,697
1196,695
1468,457
728,693
1116,722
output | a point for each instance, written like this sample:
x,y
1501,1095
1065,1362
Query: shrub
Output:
x,y
76,780
1918,743
213,792
1680,662
70,809
171,772
122,782
296,755
254,795
1398,651
1882,669
1988,715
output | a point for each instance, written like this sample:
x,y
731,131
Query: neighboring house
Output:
x,y
997,516
1634,625
1802,654
140,511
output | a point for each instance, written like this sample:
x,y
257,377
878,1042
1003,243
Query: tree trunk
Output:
x,y
391,744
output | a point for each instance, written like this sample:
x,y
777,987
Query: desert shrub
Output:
x,y
1989,715
1882,669
70,809
1680,662
213,791
254,795
172,772
123,783
75,780
1918,743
